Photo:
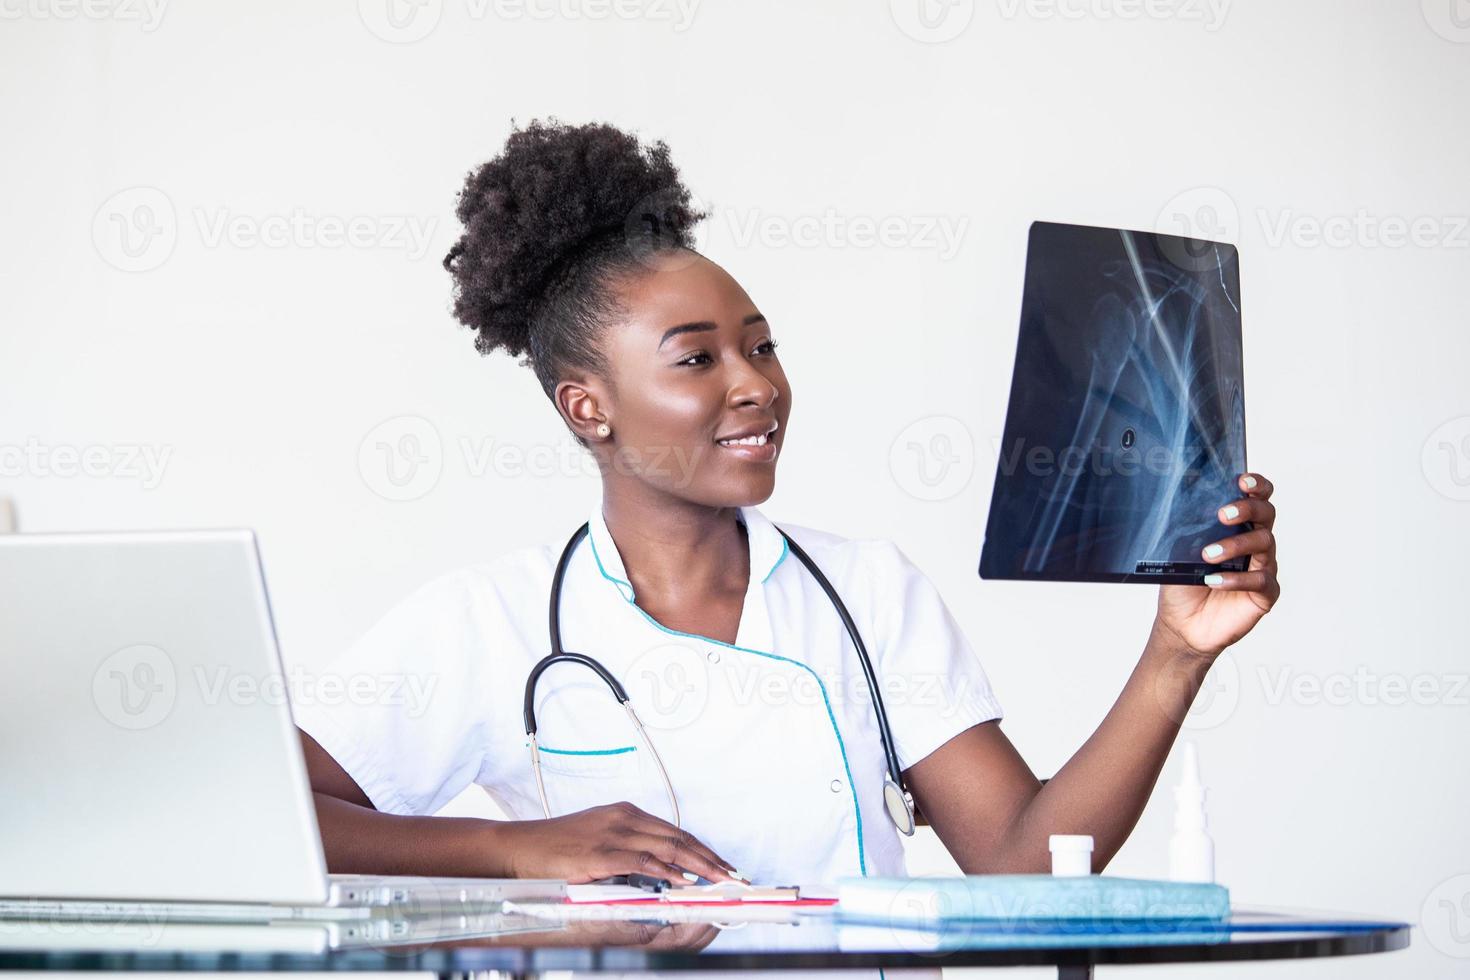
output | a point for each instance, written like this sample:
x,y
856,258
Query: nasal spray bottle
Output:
x,y
1191,851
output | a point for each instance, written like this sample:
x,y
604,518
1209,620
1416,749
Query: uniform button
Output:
x,y
714,656
836,786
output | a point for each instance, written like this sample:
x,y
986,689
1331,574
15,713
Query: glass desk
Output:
x,y
521,947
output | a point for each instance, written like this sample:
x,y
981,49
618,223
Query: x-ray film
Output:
x,y
1125,432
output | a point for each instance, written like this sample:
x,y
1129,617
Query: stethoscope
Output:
x,y
898,801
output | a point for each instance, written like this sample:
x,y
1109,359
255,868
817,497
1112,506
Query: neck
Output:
x,y
674,550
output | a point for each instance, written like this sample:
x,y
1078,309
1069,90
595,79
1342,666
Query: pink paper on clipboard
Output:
x,y
710,895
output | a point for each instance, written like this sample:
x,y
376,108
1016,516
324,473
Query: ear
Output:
x,y
579,403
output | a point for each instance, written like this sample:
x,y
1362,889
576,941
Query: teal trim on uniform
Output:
x,y
617,751
826,701
611,578
784,550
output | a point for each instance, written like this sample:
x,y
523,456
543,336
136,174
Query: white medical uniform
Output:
x,y
771,743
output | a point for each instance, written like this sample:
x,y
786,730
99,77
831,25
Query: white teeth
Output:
x,y
747,441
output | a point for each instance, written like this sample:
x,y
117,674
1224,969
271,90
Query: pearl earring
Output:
x,y
604,430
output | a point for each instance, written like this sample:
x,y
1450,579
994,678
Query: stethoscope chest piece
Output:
x,y
900,807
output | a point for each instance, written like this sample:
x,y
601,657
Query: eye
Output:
x,y
694,360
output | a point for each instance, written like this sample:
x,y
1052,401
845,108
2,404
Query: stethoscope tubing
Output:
x,y
559,655
885,733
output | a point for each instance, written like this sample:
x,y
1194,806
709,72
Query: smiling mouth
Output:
x,y
756,449
747,441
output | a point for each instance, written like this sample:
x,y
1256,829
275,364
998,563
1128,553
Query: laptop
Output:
x,y
1125,431
150,758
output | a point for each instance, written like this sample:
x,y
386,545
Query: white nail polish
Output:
x,y
1214,579
1250,482
690,875
1232,512
737,874
1213,551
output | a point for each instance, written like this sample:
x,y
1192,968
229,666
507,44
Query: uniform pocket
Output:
x,y
609,763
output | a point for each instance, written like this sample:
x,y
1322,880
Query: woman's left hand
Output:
x,y
1208,618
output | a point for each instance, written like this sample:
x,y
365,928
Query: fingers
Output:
x,y
1258,542
1262,581
1249,510
680,847
675,846
635,859
1255,485
611,860
685,853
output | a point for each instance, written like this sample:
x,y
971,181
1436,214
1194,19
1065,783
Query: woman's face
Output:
x,y
693,364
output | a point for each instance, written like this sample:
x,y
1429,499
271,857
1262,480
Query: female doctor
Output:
x,y
763,758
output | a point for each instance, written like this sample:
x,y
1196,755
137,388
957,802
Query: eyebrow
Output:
x,y
703,325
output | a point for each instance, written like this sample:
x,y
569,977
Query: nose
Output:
x,y
748,386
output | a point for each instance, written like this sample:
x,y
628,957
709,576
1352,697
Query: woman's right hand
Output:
x,y
615,839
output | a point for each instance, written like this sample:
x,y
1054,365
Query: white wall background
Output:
x,y
255,371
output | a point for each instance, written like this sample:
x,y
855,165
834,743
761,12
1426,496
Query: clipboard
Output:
x,y
644,890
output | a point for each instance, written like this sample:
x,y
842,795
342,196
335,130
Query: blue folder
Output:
x,y
1094,899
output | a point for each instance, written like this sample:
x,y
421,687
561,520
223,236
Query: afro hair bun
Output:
x,y
557,193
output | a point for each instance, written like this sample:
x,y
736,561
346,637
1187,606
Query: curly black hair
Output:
x,y
548,224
